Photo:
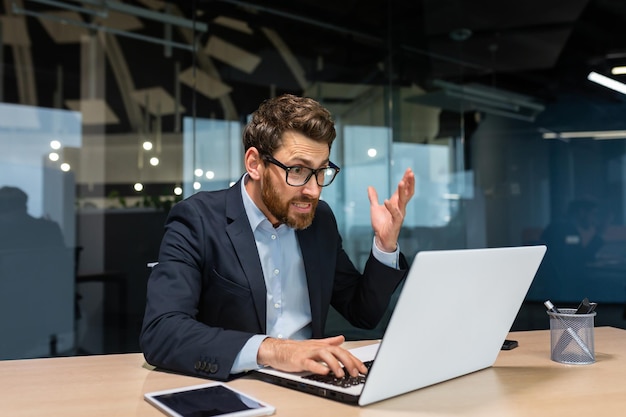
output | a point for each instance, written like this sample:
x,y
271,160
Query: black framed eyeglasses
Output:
x,y
297,175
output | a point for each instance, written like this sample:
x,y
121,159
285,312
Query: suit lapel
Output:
x,y
243,242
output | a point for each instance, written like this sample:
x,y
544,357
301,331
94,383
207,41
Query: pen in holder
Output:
x,y
571,336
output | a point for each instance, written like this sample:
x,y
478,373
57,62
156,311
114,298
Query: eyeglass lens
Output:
x,y
299,175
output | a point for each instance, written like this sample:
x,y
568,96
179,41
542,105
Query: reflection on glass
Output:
x,y
37,231
212,154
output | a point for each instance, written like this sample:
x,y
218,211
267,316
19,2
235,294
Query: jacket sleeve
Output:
x,y
362,298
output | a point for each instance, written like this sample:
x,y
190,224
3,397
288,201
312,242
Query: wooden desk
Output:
x,y
524,382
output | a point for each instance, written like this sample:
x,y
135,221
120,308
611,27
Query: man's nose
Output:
x,y
311,188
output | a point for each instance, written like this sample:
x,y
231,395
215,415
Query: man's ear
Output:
x,y
254,164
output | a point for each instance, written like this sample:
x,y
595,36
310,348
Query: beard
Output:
x,y
280,209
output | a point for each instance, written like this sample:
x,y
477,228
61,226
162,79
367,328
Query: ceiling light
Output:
x,y
607,82
592,134
618,70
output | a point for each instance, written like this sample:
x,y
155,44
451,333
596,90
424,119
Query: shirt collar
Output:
x,y
255,215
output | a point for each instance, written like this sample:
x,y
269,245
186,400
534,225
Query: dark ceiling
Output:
x,y
539,48
535,47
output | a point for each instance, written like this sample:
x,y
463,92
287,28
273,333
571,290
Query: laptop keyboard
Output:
x,y
344,382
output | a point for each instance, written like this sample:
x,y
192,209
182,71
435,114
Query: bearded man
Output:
x,y
246,275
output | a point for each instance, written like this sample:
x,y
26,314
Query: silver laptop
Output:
x,y
453,314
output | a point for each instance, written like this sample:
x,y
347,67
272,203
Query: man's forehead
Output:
x,y
296,145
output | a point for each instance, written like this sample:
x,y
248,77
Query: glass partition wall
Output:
x,y
111,112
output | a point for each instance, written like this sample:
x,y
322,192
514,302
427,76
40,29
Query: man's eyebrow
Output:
x,y
307,162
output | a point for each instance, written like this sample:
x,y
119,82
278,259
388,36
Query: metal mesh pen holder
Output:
x,y
572,337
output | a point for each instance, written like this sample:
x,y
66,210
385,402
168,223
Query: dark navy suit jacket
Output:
x,y
207,297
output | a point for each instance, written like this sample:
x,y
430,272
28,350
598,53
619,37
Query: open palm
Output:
x,y
387,218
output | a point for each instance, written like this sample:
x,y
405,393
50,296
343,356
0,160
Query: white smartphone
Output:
x,y
212,399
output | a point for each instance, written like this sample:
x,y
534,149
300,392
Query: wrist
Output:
x,y
266,351
386,247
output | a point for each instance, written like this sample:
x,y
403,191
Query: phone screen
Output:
x,y
209,401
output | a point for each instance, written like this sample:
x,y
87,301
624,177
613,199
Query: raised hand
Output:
x,y
387,218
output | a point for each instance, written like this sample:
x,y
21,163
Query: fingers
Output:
x,y
396,211
317,356
373,196
406,187
317,367
335,340
341,361
338,359
405,191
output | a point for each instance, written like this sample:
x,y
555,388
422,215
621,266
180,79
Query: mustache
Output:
x,y
304,200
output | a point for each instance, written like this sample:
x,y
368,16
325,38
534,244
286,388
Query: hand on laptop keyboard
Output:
x,y
315,355
344,382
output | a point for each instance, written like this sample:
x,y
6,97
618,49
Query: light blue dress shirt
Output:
x,y
287,301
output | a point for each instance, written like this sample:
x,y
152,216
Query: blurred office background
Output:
x,y
112,111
